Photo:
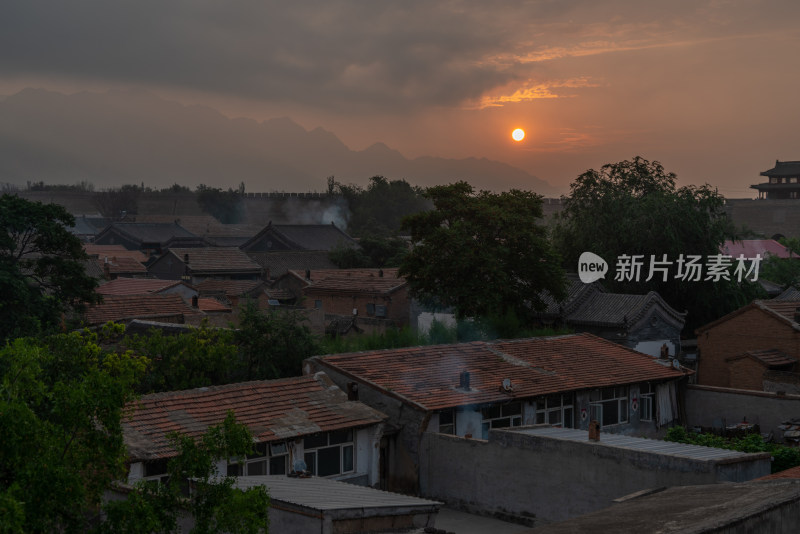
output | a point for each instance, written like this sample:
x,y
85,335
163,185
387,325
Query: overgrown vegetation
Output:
x,y
784,457
783,271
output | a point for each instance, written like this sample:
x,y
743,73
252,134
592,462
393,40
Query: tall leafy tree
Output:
x,y
61,409
634,207
378,209
484,254
42,276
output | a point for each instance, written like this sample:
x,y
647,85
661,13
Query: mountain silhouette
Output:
x,y
120,137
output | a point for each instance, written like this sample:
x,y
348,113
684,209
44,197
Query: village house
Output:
x,y
169,308
193,265
150,238
467,389
736,350
146,286
235,292
281,237
297,420
644,323
369,299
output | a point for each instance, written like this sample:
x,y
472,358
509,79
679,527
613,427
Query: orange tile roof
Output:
x,y
123,307
113,251
272,409
352,280
783,310
428,377
210,259
135,286
792,472
228,287
122,265
208,304
769,358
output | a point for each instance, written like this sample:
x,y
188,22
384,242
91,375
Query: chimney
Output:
x,y
107,270
594,431
186,258
194,301
464,380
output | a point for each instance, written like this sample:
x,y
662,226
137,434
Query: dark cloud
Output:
x,y
353,54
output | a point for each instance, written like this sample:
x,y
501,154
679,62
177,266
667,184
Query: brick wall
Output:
x,y
397,304
745,373
752,329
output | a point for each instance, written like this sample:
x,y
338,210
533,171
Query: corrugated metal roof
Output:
x,y
324,494
667,448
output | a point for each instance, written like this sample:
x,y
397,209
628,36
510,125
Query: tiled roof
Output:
x,y
577,291
790,293
135,286
279,263
216,259
352,280
272,410
123,307
429,376
618,309
228,287
770,358
783,310
783,168
305,236
793,472
749,248
205,225
122,266
114,251
208,304
149,232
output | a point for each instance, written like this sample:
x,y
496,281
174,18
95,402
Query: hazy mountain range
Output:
x,y
119,137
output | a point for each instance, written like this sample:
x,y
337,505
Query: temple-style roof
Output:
x,y
783,169
298,237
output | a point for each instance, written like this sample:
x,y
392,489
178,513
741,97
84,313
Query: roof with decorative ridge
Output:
x,y
305,236
272,409
148,232
428,377
783,168
619,309
790,293
123,307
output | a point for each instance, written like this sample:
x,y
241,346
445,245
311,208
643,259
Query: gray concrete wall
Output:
x,y
553,480
710,406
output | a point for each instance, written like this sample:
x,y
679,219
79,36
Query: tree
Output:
x,y
119,202
61,409
378,210
204,356
482,253
784,271
42,276
215,505
372,252
635,208
225,206
272,344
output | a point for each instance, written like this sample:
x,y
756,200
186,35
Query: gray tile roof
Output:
x,y
790,293
304,236
149,232
783,168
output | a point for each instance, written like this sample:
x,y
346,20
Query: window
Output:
x,y
447,422
267,459
318,304
500,416
555,410
380,311
370,308
647,392
329,453
793,180
156,471
609,406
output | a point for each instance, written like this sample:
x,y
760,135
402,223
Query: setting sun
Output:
x,y
518,134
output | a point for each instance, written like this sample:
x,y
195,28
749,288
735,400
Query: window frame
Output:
x,y
494,416
647,393
264,453
451,425
311,455
614,399
566,404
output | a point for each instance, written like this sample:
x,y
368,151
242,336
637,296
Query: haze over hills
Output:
x,y
119,137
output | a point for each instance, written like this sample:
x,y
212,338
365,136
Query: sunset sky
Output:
x,y
709,88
